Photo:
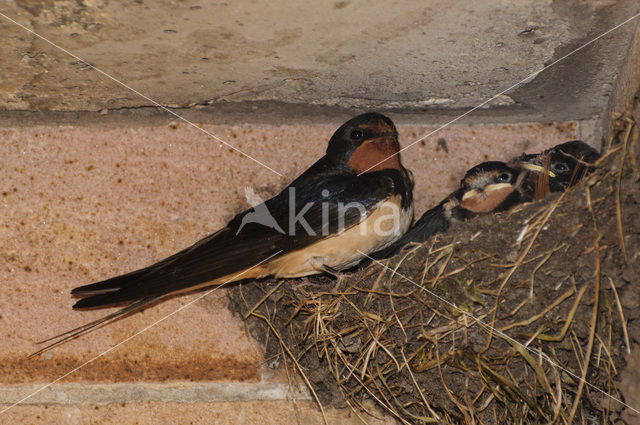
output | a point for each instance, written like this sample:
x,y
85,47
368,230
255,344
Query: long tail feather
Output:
x,y
107,285
87,327
100,300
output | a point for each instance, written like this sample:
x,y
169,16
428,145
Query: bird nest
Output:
x,y
517,317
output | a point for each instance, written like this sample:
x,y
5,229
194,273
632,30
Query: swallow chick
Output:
x,y
355,200
492,186
558,168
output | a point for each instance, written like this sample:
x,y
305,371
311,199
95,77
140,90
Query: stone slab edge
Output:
x,y
77,393
627,85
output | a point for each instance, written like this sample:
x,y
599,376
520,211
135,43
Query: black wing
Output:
x,y
243,244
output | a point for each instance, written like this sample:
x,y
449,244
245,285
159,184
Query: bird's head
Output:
x,y
563,165
368,142
486,186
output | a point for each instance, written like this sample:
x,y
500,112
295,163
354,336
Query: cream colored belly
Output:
x,y
377,231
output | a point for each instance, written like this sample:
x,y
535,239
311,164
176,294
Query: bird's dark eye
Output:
x,y
356,134
560,167
504,177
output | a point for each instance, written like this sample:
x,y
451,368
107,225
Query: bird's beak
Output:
x,y
497,186
488,189
538,169
469,194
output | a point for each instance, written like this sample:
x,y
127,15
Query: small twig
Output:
x,y
459,405
395,316
608,353
575,345
537,368
623,156
396,402
560,336
443,266
367,388
557,409
515,310
622,319
540,264
263,299
532,319
413,378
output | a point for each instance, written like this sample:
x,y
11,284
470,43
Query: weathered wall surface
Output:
x,y
430,56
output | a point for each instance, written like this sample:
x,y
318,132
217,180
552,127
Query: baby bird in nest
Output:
x,y
558,168
496,186
488,187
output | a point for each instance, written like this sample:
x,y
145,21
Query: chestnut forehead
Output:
x,y
378,126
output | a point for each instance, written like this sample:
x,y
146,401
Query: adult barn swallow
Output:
x,y
325,221
560,167
488,187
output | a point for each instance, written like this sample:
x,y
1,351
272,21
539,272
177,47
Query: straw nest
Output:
x,y
515,318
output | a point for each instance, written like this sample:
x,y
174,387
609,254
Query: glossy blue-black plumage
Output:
x,y
327,186
323,188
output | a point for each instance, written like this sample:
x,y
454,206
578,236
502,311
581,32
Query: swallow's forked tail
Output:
x,y
87,327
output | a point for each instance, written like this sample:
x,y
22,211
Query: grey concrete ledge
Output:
x,y
270,113
187,392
